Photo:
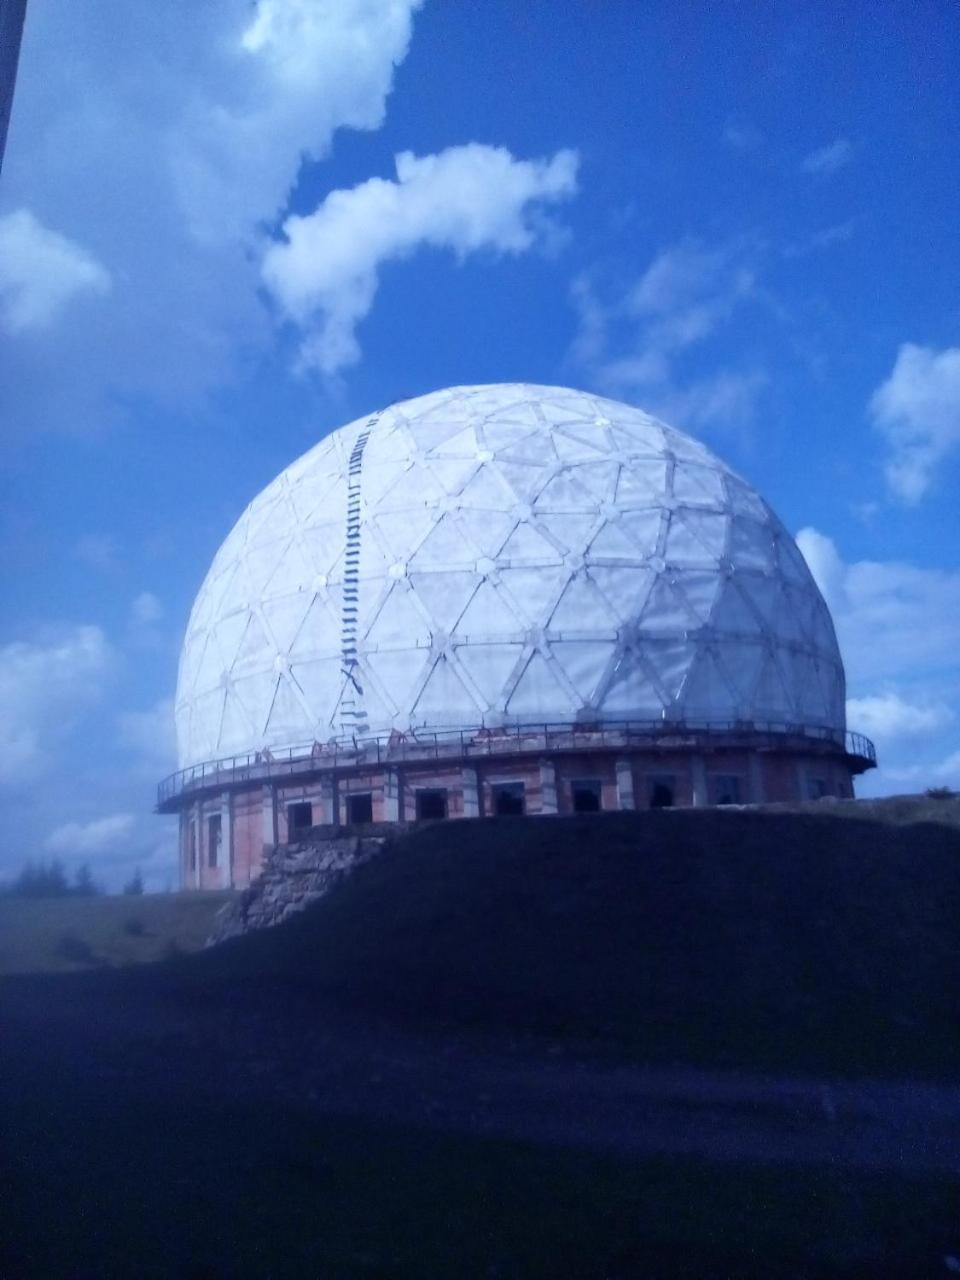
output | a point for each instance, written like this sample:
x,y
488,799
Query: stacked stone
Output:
x,y
293,877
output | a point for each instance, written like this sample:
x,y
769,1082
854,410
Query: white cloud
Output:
x,y
168,164
41,272
90,837
324,274
742,135
888,715
151,736
44,688
894,619
146,609
633,341
917,409
899,632
830,158
97,551
307,68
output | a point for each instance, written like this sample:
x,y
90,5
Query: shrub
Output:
x,y
940,793
70,947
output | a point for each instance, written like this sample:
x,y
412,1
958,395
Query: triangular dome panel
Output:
x,y
582,608
490,666
538,694
444,595
445,699
489,614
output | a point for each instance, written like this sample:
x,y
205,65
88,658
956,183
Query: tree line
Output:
x,y
50,880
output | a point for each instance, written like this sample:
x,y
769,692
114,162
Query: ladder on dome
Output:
x,y
351,713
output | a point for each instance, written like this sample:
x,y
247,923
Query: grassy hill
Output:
x,y
799,941
412,1078
61,935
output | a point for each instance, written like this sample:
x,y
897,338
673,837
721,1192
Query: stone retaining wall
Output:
x,y
293,877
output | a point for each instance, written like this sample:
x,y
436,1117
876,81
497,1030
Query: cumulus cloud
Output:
x,y
44,688
41,272
151,736
169,165
742,135
324,274
888,715
828,159
917,410
146,609
90,837
307,68
97,551
633,338
899,632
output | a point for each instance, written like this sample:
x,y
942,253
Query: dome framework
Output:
x,y
514,565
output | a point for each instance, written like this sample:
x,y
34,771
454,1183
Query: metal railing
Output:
x,y
412,746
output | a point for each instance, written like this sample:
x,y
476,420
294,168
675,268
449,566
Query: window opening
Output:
x,y
360,806
818,788
299,818
432,802
661,793
726,789
214,837
587,795
508,799
192,844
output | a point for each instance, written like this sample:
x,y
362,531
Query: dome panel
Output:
x,y
518,520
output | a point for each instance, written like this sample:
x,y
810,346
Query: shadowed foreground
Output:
x,y
639,1045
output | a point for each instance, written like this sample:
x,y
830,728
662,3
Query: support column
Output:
x,y
801,775
391,796
625,799
330,800
226,837
548,787
196,817
471,793
758,791
268,814
698,775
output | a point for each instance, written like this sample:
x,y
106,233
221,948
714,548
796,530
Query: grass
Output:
x,y
139,1136
772,941
113,1182
56,935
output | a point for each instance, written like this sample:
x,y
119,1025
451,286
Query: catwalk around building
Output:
x,y
499,600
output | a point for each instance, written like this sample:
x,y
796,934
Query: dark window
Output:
x,y
818,788
299,818
661,793
726,789
507,799
360,806
432,803
587,796
192,844
214,836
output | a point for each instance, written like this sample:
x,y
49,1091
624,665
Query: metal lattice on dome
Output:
x,y
498,555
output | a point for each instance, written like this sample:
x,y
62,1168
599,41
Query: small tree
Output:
x,y
41,880
135,884
83,884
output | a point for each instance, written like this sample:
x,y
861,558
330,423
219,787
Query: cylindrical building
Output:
x,y
499,600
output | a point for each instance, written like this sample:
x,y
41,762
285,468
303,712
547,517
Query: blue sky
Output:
x,y
227,229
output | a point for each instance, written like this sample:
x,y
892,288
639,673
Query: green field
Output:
x,y
60,935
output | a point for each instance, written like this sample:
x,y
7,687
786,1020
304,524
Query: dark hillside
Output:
x,y
786,941
608,1047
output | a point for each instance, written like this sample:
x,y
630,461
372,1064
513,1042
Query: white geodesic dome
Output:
x,y
498,555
